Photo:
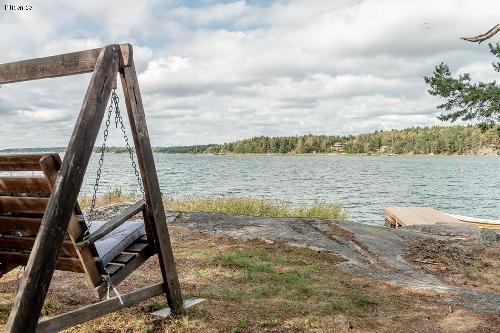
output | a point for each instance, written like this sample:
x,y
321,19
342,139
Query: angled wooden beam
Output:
x,y
58,65
40,268
154,214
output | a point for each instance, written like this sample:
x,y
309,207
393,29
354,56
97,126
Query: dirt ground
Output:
x,y
254,286
466,263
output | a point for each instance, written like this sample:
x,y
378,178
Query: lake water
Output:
x,y
363,184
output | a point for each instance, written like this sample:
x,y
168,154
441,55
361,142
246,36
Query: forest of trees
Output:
x,y
183,149
416,140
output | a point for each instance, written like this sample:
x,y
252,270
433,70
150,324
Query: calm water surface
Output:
x,y
363,184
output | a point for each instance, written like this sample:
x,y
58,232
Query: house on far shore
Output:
x,y
383,149
338,147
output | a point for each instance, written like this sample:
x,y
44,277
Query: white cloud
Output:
x,y
216,13
215,72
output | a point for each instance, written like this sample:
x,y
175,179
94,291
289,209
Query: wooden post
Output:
x,y
154,216
42,261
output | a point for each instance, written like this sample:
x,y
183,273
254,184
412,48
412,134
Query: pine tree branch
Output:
x,y
482,37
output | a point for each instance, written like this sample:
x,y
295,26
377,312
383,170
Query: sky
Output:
x,y
218,71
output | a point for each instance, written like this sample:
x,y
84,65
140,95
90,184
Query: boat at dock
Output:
x,y
480,222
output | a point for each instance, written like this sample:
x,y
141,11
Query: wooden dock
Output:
x,y
406,216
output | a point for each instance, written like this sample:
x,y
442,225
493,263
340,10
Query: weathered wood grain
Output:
x,y
63,263
25,243
47,67
59,65
40,267
22,224
126,55
92,311
124,258
154,214
24,185
23,204
20,162
406,216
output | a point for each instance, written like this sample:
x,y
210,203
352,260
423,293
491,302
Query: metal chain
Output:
x,y
115,101
119,119
99,170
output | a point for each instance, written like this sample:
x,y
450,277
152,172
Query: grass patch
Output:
x,y
231,205
360,299
254,287
276,275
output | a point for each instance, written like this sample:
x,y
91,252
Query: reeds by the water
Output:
x,y
234,205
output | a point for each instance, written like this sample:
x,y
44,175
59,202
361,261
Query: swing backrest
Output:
x,y
23,199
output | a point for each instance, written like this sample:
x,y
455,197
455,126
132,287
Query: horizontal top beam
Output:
x,y
58,65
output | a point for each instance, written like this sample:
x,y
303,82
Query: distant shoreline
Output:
x,y
363,154
489,154
453,140
331,154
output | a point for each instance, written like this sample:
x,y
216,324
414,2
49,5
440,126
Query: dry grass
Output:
x,y
256,207
257,287
232,205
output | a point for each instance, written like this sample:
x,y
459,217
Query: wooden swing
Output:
x,y
46,206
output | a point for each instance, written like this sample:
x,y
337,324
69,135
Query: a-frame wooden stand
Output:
x,y
105,63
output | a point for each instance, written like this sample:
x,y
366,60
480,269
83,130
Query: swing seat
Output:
x,y
113,250
114,243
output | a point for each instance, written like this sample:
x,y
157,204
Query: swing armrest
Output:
x,y
112,224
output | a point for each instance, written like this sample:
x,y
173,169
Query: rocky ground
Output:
x,y
302,275
460,261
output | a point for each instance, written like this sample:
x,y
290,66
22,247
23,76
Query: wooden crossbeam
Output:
x,y
58,65
54,66
95,310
